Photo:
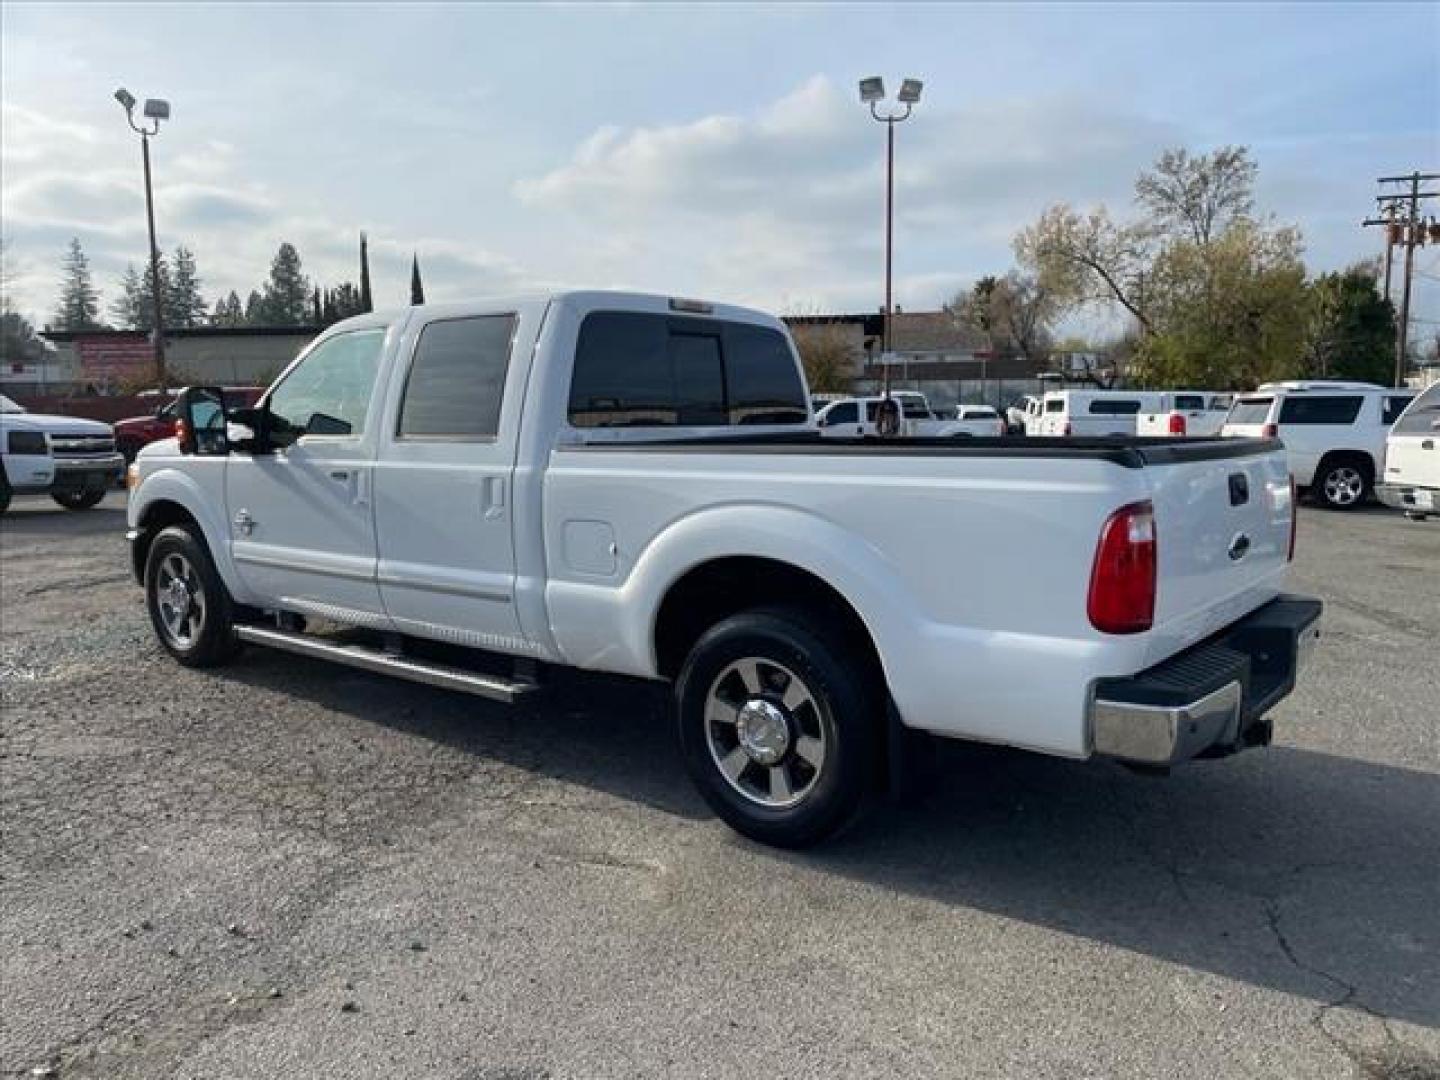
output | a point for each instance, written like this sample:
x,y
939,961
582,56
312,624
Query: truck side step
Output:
x,y
385,663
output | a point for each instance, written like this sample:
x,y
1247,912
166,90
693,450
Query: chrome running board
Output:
x,y
383,663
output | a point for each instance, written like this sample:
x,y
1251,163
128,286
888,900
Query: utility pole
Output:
x,y
1400,213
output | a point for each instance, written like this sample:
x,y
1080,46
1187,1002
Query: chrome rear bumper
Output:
x,y
1211,699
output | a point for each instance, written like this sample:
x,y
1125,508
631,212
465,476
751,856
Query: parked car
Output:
x,y
1412,458
977,420
135,432
71,459
856,417
1094,412
1334,433
1186,413
625,483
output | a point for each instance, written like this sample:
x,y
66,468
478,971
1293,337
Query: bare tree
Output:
x,y
1197,197
827,354
1014,314
1086,258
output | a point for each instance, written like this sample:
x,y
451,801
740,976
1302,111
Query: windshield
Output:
x,y
6,405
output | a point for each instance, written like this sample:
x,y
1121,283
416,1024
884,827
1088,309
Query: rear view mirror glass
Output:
x,y
200,421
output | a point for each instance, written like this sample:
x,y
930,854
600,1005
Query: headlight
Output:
x,y
29,443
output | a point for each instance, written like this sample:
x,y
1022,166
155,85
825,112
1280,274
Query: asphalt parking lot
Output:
x,y
284,868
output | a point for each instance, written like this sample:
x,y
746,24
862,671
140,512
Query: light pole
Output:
x,y
155,110
872,92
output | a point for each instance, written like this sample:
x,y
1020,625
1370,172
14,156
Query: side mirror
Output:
x,y
248,430
200,421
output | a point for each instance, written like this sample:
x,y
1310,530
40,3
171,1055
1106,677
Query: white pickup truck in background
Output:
x,y
1186,413
71,459
468,495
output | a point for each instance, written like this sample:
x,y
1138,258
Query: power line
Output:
x,y
1404,226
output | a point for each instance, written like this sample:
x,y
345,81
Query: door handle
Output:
x,y
1428,444
494,497
340,476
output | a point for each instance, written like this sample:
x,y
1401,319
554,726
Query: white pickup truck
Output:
x,y
1186,412
468,495
71,459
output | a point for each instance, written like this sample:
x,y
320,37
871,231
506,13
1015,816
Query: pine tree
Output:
x,y
327,309
366,305
287,290
255,309
315,308
228,311
184,306
79,307
417,290
133,308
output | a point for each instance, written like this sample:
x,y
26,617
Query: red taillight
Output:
x,y
182,431
1122,581
1271,431
1294,521
1177,423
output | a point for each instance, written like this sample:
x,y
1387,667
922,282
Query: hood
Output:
x,y
53,425
159,448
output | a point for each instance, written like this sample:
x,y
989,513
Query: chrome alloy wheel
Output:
x,y
765,732
180,600
1344,485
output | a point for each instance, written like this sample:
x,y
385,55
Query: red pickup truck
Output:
x,y
139,431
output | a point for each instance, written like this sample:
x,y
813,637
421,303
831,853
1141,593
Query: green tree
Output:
x,y
417,290
184,306
1350,327
366,303
79,306
18,343
255,309
228,311
134,309
287,291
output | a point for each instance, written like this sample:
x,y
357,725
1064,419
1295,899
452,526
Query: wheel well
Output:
x,y
1359,457
159,515
718,589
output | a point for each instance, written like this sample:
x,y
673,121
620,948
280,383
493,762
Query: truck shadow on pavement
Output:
x,y
1286,869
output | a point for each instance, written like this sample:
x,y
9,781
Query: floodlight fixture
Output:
x,y
872,89
125,98
157,109
910,91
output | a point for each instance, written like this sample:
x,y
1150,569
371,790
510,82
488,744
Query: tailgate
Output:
x,y
1223,533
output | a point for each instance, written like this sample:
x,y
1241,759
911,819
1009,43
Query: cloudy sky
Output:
x,y
707,150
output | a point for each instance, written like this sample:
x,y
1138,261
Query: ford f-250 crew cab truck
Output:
x,y
467,495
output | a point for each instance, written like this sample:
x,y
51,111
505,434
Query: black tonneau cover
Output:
x,y
1129,451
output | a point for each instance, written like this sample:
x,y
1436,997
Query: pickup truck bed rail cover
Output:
x,y
1128,451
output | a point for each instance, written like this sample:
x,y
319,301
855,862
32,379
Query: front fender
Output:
x,y
203,502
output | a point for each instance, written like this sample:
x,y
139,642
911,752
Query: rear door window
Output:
x,y
1423,416
1326,409
1055,405
457,379
1189,402
1250,411
844,413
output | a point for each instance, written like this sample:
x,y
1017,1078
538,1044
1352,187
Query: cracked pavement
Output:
x,y
285,867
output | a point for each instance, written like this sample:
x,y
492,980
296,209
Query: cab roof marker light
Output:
x,y
695,307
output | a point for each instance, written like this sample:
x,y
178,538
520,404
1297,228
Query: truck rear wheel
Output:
x,y
79,500
779,725
189,606
1343,482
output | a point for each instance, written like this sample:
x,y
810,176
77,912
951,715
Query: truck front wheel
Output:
x,y
189,606
779,725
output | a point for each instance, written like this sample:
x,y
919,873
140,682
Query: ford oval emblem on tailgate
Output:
x,y
1238,547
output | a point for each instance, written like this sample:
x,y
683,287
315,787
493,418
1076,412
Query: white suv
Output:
x,y
1334,433
1412,458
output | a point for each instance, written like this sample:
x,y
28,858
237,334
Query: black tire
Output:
x,y
203,635
843,711
87,499
1343,482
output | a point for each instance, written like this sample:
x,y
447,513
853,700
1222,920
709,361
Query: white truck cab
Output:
x,y
471,495
1412,458
1334,432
